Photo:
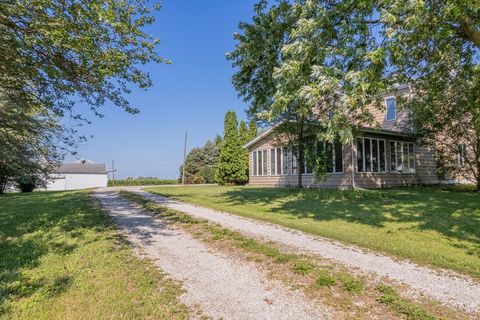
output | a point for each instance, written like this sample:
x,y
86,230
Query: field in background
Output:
x,y
141,182
428,225
60,258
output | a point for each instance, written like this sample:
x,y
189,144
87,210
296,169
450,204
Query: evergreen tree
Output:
x,y
243,133
245,136
252,130
200,165
232,167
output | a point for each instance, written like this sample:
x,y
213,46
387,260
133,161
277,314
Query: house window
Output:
x,y
334,155
391,108
279,161
273,160
276,162
402,157
289,163
260,162
368,154
265,162
371,155
286,161
294,160
461,155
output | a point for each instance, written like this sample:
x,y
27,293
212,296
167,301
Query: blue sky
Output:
x,y
192,93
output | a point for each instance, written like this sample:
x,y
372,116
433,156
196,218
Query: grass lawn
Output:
x,y
62,259
429,225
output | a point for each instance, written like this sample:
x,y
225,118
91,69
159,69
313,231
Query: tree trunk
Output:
x,y
477,158
301,158
477,176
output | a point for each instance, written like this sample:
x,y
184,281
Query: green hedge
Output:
x,y
141,182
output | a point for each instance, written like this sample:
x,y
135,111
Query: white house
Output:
x,y
81,174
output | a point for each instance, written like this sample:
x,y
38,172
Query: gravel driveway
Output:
x,y
447,287
221,286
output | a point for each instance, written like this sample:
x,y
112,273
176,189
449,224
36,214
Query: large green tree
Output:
x,y
232,168
274,75
341,56
201,163
257,53
243,132
31,143
55,53
372,46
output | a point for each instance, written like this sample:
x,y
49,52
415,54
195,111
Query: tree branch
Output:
x,y
470,31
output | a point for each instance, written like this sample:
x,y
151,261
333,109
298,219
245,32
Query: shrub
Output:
x,y
27,183
208,174
197,179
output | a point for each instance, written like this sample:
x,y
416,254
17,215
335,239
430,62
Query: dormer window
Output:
x,y
391,108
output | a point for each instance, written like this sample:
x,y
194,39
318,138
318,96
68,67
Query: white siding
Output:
x,y
62,182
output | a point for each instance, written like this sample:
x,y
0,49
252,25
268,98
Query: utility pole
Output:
x,y
113,173
184,156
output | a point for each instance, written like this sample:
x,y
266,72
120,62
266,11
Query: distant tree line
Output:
x,y
141,181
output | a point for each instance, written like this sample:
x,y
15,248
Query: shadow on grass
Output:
x,y
34,225
450,212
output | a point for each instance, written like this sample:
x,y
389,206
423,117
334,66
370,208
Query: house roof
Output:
x,y
364,129
259,137
82,168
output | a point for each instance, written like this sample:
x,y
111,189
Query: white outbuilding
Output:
x,y
81,174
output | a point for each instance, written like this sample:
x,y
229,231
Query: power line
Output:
x,y
148,164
